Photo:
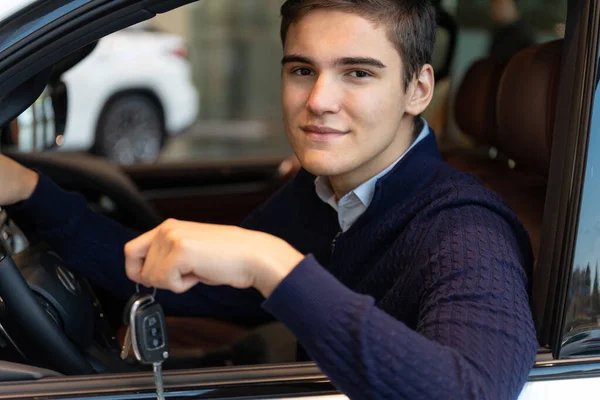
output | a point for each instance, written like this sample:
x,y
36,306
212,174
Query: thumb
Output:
x,y
185,283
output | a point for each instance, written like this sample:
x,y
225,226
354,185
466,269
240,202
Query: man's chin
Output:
x,y
324,167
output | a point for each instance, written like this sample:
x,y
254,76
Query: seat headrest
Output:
x,y
475,105
526,105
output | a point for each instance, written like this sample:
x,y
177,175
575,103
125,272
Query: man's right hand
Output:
x,y
17,183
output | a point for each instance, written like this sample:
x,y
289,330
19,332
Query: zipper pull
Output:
x,y
333,242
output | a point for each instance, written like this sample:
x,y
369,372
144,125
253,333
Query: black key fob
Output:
x,y
149,331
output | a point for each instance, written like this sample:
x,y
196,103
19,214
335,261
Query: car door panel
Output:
x,y
278,381
559,389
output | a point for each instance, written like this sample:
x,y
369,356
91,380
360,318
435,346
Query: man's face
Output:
x,y
344,99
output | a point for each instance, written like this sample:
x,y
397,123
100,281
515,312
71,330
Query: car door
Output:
x,y
224,191
565,287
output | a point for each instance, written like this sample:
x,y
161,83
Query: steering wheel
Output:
x,y
40,329
87,173
50,316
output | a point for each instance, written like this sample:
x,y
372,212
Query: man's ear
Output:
x,y
420,91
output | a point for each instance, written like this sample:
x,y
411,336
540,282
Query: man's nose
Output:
x,y
324,97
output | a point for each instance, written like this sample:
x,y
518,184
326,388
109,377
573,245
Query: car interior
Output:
x,y
511,108
505,111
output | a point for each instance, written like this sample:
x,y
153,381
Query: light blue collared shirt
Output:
x,y
356,202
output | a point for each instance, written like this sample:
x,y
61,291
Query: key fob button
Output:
x,y
152,332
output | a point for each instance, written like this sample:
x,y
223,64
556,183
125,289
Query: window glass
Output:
x,y
583,296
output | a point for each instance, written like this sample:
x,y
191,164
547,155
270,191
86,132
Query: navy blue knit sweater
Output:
x,y
424,297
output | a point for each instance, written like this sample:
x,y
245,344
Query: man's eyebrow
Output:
x,y
373,62
290,58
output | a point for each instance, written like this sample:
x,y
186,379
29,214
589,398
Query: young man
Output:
x,y
401,277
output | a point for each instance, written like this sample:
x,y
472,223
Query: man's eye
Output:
x,y
360,74
302,72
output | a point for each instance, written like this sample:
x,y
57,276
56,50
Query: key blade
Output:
x,y
158,380
126,321
126,344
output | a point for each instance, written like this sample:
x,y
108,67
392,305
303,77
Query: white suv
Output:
x,y
123,99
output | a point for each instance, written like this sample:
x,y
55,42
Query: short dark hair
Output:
x,y
411,25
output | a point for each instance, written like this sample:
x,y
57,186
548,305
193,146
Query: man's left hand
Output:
x,y
177,255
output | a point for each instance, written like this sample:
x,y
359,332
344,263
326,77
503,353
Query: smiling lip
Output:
x,y
321,130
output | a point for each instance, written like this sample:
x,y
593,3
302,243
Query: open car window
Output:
x,y
186,109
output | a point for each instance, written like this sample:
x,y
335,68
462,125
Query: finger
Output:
x,y
151,267
135,254
208,282
139,246
163,258
133,268
177,272
185,283
180,274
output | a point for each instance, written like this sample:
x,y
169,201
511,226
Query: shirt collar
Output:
x,y
355,202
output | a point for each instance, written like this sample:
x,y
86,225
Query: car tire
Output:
x,y
131,130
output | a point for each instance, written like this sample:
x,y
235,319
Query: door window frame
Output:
x,y
572,132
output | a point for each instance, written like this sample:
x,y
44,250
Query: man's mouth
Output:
x,y
319,132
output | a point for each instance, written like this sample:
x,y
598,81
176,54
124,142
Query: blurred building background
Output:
x,y
235,53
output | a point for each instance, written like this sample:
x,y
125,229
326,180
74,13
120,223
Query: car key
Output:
x,y
149,336
126,313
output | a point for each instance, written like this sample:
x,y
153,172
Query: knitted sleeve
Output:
x,y
88,242
475,337
93,246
